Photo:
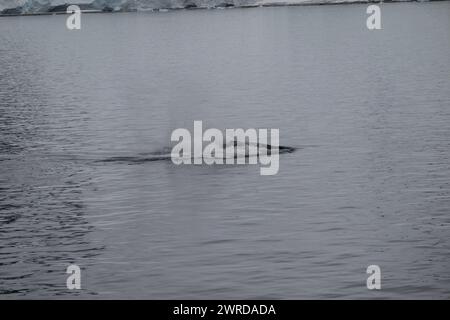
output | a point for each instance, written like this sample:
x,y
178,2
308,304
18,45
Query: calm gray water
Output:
x,y
369,112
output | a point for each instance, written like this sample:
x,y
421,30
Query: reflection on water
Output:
x,y
367,112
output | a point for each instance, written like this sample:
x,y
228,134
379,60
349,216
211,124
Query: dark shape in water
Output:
x,y
165,154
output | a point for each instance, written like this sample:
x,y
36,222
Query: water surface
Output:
x,y
368,112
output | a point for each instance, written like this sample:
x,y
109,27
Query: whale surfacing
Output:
x,y
165,155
